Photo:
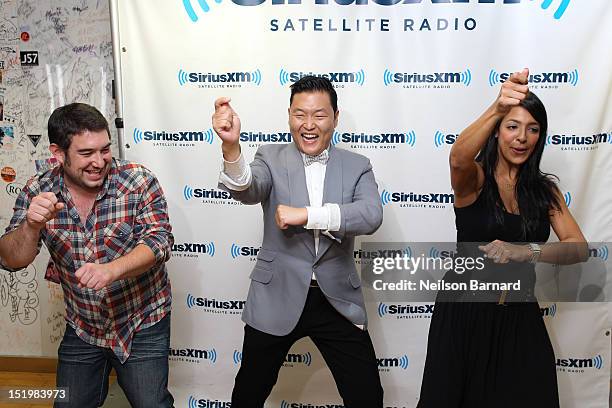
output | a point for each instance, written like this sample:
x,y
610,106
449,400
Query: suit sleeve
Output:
x,y
260,184
364,214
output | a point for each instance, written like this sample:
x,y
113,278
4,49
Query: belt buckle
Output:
x,y
502,298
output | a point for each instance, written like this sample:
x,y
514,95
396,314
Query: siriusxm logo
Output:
x,y
601,252
570,364
357,77
237,251
13,189
285,404
209,195
204,6
261,137
417,200
193,355
538,80
191,12
382,253
436,253
223,80
214,305
574,143
406,311
427,80
568,198
549,311
385,364
363,257
237,357
193,249
291,359
443,139
193,402
382,140
165,138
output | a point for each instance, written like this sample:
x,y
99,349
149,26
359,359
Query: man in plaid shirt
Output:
x,y
105,223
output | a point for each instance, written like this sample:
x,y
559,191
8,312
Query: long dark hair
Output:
x,y
536,191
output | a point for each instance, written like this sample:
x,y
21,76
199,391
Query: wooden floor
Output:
x,y
30,380
47,381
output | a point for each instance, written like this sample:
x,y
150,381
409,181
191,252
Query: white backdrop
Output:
x,y
416,71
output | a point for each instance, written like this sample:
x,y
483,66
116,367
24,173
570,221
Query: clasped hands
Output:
x,y
504,252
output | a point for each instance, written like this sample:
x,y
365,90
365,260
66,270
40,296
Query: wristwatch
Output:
x,y
536,251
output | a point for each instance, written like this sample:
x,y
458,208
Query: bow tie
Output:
x,y
322,158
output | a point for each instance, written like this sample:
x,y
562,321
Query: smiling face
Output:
x,y
312,121
87,161
518,135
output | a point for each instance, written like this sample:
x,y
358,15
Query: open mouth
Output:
x,y
94,173
309,137
519,150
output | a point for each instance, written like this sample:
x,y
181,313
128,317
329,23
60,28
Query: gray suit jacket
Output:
x,y
281,276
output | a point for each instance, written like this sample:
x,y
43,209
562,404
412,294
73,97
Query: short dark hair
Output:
x,y
72,119
311,83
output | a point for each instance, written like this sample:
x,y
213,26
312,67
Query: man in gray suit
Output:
x,y
316,198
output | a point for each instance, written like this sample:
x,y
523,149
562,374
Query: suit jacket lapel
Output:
x,y
298,190
332,191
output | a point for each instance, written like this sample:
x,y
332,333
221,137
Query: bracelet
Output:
x,y
536,251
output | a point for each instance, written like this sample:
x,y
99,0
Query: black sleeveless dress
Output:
x,y
484,354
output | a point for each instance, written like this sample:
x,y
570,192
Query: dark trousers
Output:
x,y
347,350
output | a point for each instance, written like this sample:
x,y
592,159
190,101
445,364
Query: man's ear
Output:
x,y
58,153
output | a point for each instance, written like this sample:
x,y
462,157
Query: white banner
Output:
x,y
410,76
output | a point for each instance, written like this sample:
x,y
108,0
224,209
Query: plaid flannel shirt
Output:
x,y
129,210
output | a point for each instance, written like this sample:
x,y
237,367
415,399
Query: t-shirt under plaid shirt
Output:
x,y
129,210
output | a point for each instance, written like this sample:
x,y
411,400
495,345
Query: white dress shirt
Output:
x,y
322,217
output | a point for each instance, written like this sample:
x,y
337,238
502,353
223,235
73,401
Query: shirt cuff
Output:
x,y
318,218
236,175
161,255
334,216
326,218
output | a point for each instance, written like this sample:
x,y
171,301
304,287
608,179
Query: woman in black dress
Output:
x,y
495,352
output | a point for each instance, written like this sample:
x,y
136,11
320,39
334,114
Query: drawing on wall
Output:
x,y
19,294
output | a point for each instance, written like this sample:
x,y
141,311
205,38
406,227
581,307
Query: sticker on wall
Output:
x,y
34,139
6,137
8,174
28,58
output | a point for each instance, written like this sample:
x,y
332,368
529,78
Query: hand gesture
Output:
x,y
226,122
512,92
94,276
43,208
504,252
286,216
